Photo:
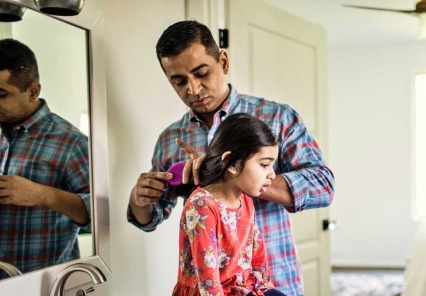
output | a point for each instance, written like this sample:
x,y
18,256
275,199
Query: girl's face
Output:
x,y
258,171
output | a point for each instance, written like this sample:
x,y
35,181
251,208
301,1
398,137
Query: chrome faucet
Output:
x,y
95,273
10,269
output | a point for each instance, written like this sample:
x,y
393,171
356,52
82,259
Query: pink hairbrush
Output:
x,y
176,170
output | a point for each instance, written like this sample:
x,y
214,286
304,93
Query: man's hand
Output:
x,y
193,164
147,192
20,191
149,188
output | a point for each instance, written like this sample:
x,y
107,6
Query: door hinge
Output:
x,y
223,38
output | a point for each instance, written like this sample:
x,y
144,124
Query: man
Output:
x,y
197,71
44,170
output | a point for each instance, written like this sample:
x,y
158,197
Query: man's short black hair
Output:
x,y
181,35
20,61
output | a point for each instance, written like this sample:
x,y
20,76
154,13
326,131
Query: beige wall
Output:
x,y
371,151
141,103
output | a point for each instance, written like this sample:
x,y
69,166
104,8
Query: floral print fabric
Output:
x,y
220,249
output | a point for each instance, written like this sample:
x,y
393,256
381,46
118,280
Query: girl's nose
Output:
x,y
272,175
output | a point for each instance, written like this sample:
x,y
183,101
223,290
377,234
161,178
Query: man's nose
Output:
x,y
194,87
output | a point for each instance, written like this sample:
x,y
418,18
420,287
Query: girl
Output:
x,y
220,247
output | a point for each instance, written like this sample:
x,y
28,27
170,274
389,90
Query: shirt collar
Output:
x,y
37,116
230,101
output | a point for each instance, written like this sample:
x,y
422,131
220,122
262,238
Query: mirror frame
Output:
x,y
91,20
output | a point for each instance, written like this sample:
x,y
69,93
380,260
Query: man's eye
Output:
x,y
202,74
180,82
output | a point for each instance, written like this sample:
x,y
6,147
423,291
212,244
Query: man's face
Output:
x,y
198,79
14,104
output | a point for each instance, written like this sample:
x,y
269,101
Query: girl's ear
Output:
x,y
232,170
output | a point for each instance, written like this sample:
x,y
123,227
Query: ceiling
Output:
x,y
351,26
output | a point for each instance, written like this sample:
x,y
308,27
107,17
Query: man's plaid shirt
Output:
x,y
300,162
48,150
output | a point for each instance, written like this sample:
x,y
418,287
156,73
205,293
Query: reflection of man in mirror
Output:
x,y
44,170
196,68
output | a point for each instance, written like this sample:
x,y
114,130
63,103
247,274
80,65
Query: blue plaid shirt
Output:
x,y
47,150
300,162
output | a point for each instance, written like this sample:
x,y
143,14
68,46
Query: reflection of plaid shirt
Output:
x,y
300,162
48,150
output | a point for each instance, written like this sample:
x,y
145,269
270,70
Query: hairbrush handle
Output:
x,y
176,170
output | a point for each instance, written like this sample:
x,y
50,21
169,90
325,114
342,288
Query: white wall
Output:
x,y
141,103
62,61
371,94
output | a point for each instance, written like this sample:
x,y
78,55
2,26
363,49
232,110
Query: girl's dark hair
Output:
x,y
243,135
20,61
181,35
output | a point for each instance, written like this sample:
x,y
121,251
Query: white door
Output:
x,y
281,57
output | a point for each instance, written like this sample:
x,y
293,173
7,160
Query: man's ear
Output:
x,y
34,91
224,61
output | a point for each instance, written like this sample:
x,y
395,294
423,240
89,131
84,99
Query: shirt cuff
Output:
x,y
156,219
298,189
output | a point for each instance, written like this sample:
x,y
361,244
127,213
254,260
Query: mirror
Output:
x,y
73,84
63,68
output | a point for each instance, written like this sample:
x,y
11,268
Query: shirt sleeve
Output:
x,y
302,165
77,174
200,224
161,211
168,200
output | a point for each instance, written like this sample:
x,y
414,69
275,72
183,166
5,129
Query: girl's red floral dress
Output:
x,y
220,249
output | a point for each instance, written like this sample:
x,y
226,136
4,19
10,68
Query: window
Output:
x,y
420,147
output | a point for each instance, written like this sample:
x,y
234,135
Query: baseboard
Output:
x,y
364,264
358,267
